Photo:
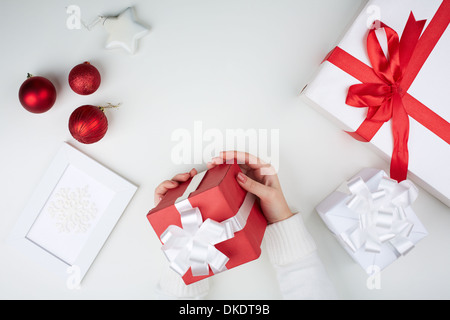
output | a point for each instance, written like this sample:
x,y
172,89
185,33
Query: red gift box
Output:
x,y
217,203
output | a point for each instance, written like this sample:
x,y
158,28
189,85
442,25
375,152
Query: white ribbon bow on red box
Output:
x,y
192,245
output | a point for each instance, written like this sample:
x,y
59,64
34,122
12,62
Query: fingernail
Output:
x,y
242,178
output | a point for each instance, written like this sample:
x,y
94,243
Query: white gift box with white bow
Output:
x,y
371,216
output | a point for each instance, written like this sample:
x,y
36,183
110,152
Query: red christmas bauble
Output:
x,y
84,78
88,124
37,94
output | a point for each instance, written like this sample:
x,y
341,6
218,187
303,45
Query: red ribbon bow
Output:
x,y
384,86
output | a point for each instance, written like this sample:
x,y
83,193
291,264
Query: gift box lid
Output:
x,y
209,181
218,196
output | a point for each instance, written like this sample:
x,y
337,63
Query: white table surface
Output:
x,y
231,65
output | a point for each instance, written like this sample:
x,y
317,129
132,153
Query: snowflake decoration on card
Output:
x,y
72,210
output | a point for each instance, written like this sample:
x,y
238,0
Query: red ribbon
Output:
x,y
384,86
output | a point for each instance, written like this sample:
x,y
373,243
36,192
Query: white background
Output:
x,y
230,64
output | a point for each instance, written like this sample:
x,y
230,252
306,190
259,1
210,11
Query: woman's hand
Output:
x,y
166,185
260,179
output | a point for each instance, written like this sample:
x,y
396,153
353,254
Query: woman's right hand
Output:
x,y
260,179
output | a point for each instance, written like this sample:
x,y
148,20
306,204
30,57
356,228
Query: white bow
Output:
x,y
192,245
381,215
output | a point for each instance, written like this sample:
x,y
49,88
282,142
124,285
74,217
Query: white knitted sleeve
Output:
x,y
293,253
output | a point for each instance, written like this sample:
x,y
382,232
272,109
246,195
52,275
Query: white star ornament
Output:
x,y
124,31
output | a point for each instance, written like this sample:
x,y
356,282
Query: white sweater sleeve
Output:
x,y
172,287
291,250
293,253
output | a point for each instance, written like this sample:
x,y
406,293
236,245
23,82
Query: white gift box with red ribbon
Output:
x,y
424,97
